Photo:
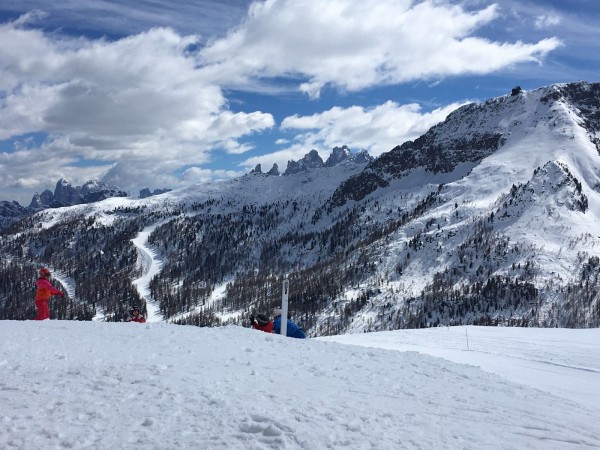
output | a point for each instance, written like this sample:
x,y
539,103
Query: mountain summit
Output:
x,y
338,155
474,132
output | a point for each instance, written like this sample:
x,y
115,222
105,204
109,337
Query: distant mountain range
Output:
x,y
312,160
65,194
491,217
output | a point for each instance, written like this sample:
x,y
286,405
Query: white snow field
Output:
x,y
94,385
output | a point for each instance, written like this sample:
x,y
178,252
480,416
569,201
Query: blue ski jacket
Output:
x,y
293,330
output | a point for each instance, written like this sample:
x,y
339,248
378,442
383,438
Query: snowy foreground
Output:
x,y
160,386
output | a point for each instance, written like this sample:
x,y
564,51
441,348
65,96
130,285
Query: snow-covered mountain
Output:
x,y
490,217
11,212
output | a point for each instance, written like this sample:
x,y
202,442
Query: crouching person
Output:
x,y
136,316
262,323
293,330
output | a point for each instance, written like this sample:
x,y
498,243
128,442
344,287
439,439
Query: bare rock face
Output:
x,y
311,160
274,170
42,200
65,194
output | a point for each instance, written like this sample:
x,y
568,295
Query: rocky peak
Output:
x,y
338,155
95,190
361,157
274,170
65,194
42,200
311,160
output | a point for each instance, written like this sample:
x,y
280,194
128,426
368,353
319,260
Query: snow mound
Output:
x,y
161,386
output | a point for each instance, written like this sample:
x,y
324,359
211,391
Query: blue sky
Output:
x,y
169,93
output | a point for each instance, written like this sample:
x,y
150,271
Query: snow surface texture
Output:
x,y
100,385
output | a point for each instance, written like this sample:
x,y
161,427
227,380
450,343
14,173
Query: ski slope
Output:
x,y
561,362
150,266
100,385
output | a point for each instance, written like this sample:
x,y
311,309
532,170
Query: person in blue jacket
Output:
x,y
293,330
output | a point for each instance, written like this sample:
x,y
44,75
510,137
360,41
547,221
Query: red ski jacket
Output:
x,y
268,328
139,319
45,290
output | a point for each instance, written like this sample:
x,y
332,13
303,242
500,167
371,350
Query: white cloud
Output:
x,y
201,175
547,21
140,100
377,129
355,45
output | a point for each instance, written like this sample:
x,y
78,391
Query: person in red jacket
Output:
x,y
136,316
262,323
45,290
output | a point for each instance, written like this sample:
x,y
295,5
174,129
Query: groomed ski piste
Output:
x,y
150,265
95,385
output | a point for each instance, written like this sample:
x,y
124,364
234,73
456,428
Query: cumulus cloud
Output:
x,y
139,100
355,45
377,129
139,86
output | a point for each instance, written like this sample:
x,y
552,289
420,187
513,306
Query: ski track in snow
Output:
x,y
150,267
67,282
161,386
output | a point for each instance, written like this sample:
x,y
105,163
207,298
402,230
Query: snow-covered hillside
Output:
x,y
491,217
66,384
